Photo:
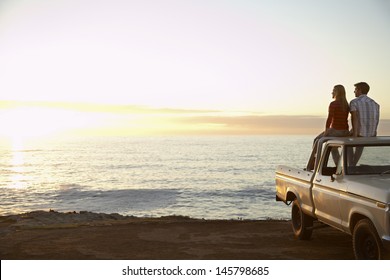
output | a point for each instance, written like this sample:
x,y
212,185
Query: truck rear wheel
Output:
x,y
302,224
366,242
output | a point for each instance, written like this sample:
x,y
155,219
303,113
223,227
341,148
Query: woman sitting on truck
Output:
x,y
337,121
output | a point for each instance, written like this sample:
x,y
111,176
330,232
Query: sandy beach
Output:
x,y
49,235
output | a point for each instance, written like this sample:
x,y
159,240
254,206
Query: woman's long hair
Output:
x,y
341,97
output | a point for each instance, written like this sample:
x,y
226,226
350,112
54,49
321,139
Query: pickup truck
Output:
x,y
347,187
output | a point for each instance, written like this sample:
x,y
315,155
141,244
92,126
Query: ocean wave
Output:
x,y
199,177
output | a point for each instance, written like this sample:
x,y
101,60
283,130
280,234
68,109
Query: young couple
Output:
x,y
364,115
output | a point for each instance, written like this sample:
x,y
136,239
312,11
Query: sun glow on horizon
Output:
x,y
21,123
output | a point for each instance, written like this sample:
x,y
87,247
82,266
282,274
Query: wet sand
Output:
x,y
82,236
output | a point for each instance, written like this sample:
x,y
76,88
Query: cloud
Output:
x,y
255,124
262,124
102,108
135,119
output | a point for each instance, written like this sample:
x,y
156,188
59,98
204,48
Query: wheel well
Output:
x,y
290,196
355,219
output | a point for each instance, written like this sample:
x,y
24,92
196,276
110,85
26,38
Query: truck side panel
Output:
x,y
297,183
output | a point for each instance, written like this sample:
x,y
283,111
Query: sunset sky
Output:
x,y
124,67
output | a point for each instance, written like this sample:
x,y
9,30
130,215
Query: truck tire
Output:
x,y
366,242
302,224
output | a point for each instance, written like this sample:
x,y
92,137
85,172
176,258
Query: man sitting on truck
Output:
x,y
364,112
365,117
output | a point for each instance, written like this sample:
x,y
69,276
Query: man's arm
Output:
x,y
355,124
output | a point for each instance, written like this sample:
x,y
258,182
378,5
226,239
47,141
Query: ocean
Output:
x,y
213,177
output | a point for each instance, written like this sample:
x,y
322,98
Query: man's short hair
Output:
x,y
363,86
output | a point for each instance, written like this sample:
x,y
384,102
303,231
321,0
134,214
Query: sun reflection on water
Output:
x,y
17,166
